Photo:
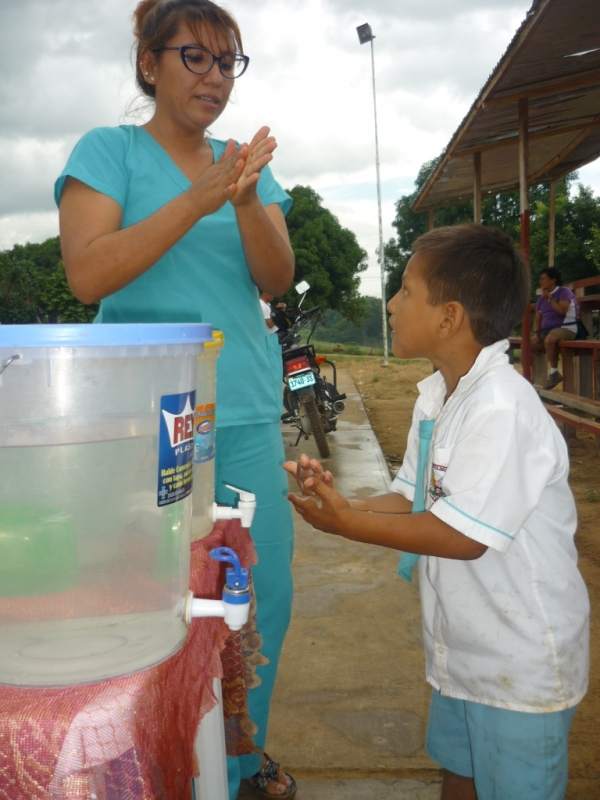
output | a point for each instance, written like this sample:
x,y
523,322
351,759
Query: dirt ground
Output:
x,y
389,395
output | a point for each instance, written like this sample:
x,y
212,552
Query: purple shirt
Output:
x,y
550,317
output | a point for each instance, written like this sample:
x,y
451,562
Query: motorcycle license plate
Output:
x,y
301,381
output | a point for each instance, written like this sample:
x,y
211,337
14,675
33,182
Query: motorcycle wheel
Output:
x,y
310,407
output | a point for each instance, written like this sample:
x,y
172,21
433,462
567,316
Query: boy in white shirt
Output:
x,y
505,610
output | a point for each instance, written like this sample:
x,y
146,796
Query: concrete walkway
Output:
x,y
350,705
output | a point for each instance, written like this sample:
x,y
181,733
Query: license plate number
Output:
x,y
300,381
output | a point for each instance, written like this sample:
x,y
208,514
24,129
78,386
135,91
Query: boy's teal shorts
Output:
x,y
511,755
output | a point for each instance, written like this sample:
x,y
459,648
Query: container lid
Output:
x,y
105,334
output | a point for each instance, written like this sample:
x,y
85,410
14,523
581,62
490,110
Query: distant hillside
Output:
x,y
338,330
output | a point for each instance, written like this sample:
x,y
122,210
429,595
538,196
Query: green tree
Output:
x,y
595,245
328,256
34,288
20,291
577,250
45,255
409,225
577,219
334,328
59,302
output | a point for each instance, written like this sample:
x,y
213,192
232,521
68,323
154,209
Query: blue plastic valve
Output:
x,y
236,576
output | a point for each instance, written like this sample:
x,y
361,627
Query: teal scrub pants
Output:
x,y
250,457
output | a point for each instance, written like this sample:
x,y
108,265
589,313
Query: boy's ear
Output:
x,y
452,319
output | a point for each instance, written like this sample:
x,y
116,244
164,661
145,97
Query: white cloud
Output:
x,y
29,168
30,227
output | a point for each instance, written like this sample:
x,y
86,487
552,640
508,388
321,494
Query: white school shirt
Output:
x,y
509,629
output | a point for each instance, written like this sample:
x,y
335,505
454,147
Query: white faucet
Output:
x,y
244,512
234,607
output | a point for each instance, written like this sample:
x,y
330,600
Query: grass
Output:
x,y
342,358
351,349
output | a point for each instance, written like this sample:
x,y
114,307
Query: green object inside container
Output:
x,y
38,551
169,544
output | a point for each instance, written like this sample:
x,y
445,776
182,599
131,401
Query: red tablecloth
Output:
x,y
132,738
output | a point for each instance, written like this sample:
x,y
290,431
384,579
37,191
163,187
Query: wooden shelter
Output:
x,y
536,119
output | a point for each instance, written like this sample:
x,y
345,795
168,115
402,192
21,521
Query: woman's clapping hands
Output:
x,y
236,173
259,153
218,183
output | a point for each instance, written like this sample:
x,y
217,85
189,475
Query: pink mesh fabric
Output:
x,y
130,738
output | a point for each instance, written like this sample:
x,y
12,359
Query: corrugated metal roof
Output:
x,y
554,61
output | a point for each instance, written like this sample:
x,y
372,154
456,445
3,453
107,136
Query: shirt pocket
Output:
x,y
439,464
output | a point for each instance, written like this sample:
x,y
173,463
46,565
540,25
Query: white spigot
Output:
x,y
235,604
235,616
244,512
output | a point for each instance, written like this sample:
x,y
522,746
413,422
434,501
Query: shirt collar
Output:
x,y
433,388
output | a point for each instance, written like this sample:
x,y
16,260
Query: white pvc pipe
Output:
x,y
210,751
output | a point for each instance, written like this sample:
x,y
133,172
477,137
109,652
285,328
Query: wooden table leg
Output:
x,y
568,370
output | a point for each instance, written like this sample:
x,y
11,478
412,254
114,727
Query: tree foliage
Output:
x,y
34,288
328,256
339,330
577,238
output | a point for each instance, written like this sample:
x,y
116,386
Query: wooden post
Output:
x,y
552,224
477,187
431,219
524,198
569,385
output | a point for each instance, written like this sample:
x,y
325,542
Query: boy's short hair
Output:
x,y
480,268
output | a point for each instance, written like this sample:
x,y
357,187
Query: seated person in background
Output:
x,y
265,304
278,317
555,320
483,497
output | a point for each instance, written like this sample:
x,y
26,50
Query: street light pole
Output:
x,y
365,34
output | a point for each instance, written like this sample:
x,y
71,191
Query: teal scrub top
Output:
x,y
203,278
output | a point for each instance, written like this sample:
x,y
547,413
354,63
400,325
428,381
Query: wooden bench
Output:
x,y
581,375
581,386
586,416
573,422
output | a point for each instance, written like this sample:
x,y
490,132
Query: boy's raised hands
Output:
x,y
308,472
320,504
384,519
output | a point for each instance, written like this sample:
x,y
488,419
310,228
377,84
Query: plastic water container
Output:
x,y
97,470
205,438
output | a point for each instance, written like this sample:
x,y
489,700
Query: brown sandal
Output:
x,y
267,773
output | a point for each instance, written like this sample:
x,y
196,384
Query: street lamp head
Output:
x,y
365,34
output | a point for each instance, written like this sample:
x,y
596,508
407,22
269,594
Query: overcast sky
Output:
x,y
66,67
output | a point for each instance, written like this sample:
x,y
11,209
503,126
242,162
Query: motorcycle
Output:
x,y
312,403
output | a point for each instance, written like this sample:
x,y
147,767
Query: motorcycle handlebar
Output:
x,y
311,311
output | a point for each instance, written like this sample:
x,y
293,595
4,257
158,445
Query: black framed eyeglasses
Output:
x,y
199,60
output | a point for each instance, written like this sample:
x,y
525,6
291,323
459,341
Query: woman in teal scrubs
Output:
x,y
164,224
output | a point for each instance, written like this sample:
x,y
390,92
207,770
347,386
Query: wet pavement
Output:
x,y
350,706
